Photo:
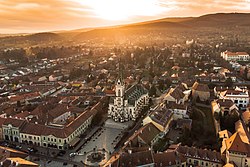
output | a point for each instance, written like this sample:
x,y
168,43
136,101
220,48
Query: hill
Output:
x,y
228,22
206,26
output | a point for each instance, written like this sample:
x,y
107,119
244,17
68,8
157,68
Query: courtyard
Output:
x,y
101,143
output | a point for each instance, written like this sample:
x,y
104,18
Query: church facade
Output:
x,y
127,104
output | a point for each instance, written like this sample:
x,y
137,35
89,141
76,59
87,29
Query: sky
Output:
x,y
29,16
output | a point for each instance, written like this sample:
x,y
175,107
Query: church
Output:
x,y
127,103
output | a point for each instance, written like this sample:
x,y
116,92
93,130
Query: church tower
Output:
x,y
120,86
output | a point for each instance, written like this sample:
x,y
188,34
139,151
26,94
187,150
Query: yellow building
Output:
x,y
160,118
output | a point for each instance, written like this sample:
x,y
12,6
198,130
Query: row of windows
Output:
x,y
30,137
10,132
196,163
239,101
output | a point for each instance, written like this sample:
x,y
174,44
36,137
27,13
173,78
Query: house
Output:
x,y
169,158
180,110
161,118
142,158
23,98
198,157
147,135
178,94
13,162
147,158
7,152
55,77
224,107
10,158
236,150
200,91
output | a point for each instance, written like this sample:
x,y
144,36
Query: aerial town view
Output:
x,y
124,83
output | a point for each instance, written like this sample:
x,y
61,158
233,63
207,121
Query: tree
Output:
x,y
152,91
229,82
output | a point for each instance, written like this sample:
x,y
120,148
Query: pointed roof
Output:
x,y
234,143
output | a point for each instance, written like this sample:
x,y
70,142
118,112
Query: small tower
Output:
x,y
119,88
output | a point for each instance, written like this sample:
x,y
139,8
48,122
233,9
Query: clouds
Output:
x,y
46,15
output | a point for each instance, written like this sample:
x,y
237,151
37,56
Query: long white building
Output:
x,y
127,104
235,56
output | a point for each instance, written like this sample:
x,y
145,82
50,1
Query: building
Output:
x,y
1,129
60,136
180,110
143,137
11,129
239,96
198,157
127,104
235,56
179,94
161,118
246,117
11,158
147,158
200,91
236,150
224,107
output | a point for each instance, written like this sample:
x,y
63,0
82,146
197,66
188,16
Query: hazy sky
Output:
x,y
19,16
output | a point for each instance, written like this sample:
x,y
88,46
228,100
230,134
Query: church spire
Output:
x,y
120,72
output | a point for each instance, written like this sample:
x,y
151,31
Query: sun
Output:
x,y
122,9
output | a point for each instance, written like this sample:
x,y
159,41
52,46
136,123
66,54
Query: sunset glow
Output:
x,y
122,10
21,16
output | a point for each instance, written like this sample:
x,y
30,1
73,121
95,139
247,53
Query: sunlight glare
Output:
x,y
123,9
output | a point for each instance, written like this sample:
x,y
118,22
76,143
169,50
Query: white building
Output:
x,y
235,56
127,103
239,96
